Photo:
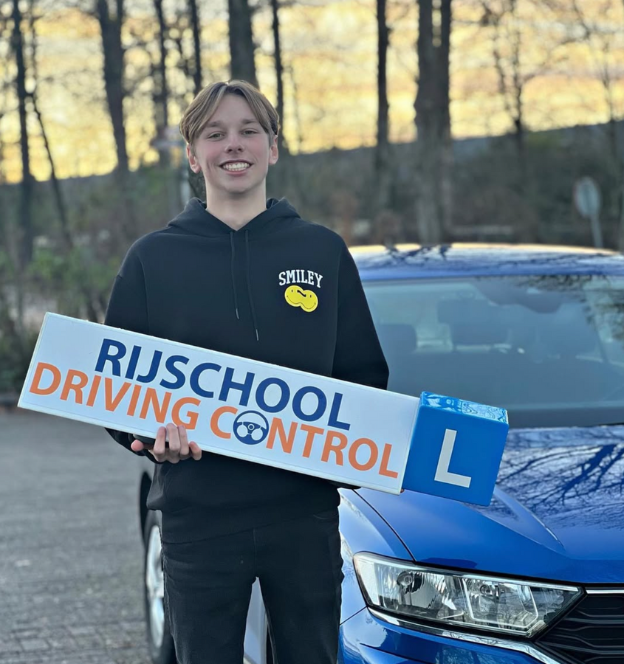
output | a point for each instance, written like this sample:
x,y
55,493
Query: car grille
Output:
x,y
592,633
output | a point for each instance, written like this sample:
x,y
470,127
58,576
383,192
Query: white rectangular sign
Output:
x,y
230,405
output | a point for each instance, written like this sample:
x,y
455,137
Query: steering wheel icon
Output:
x,y
251,427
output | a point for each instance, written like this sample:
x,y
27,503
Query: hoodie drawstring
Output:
x,y
247,270
232,273
251,303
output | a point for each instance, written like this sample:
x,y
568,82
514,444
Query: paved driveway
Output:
x,y
70,549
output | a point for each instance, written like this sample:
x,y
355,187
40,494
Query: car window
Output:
x,y
549,349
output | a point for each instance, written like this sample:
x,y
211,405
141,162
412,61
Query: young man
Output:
x,y
246,276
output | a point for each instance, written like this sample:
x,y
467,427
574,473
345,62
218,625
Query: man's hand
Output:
x,y
176,449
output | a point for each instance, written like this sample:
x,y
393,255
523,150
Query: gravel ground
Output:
x,y
70,547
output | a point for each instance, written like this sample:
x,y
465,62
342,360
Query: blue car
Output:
x,y
538,576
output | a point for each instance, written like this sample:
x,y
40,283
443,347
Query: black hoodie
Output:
x,y
279,290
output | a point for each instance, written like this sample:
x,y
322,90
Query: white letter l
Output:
x,y
442,471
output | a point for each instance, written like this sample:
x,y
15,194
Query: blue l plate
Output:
x,y
456,449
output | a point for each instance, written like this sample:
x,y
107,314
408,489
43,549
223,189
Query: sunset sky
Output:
x,y
330,85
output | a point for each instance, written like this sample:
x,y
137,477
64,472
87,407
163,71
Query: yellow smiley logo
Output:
x,y
297,297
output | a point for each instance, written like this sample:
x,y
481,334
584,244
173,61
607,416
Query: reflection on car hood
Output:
x,y
557,512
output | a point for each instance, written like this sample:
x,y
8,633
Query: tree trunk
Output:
x,y
56,187
26,232
61,206
161,96
242,47
113,51
444,107
383,169
196,27
13,329
615,148
428,221
511,84
434,157
279,74
618,163
518,92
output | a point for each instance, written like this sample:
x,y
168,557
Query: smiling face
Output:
x,y
233,152
297,297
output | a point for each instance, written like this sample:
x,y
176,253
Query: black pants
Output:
x,y
208,588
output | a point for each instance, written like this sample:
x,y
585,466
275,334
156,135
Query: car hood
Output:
x,y
557,511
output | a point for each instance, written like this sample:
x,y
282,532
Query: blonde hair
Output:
x,y
202,108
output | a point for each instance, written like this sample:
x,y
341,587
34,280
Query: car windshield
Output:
x,y
549,349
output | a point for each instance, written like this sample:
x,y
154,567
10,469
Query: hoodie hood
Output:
x,y
195,219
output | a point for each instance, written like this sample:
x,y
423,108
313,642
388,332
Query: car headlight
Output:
x,y
460,600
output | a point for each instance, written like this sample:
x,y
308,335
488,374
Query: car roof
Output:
x,y
414,261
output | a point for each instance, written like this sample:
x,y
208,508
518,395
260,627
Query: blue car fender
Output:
x,y
362,529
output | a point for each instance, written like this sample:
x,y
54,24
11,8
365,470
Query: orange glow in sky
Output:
x,y
330,83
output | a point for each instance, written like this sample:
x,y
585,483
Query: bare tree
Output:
x,y
279,72
9,331
433,124
600,32
196,28
288,172
26,231
383,171
512,80
6,84
113,52
111,23
516,67
34,95
242,46
61,205
161,87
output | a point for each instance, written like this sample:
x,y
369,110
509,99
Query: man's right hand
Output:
x,y
177,448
